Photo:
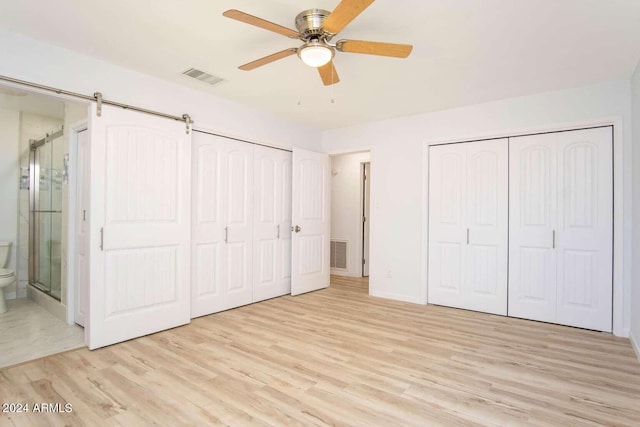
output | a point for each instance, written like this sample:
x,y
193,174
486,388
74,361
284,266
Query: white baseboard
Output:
x,y
635,344
396,297
344,273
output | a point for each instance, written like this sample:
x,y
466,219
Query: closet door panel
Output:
x,y
532,198
447,227
585,237
238,234
209,219
485,284
271,278
284,242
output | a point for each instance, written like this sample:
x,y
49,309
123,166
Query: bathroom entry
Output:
x,y
366,192
349,252
45,210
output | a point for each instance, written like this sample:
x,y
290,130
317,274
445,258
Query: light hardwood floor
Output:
x,y
340,357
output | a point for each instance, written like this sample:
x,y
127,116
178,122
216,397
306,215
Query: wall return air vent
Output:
x,y
338,254
202,76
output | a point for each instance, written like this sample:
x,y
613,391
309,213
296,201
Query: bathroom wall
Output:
x,y
32,126
9,161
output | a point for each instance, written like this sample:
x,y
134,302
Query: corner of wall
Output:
x,y
634,333
635,343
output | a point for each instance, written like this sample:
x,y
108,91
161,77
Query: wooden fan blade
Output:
x,y
375,48
261,23
268,59
344,13
328,74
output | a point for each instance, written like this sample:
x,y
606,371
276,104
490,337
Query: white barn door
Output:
x,y
311,220
140,225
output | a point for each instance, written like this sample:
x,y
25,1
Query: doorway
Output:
x,y
366,203
350,194
35,210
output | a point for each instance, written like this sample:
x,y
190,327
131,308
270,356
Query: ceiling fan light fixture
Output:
x,y
315,54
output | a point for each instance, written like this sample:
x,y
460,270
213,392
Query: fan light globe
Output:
x,y
315,55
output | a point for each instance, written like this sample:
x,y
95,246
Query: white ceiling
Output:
x,y
29,102
465,51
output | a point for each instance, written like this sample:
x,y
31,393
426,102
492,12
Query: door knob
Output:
x,y
296,228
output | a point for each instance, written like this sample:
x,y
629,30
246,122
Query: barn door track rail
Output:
x,y
99,100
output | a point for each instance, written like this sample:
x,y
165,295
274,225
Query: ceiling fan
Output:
x,y
316,28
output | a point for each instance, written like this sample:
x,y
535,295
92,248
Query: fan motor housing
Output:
x,y
309,23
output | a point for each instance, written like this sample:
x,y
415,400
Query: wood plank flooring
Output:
x,y
339,357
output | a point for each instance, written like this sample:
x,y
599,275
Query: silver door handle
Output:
x,y
467,236
297,228
553,239
278,231
101,238
226,234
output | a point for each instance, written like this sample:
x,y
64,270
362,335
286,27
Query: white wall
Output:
x,y
27,59
9,184
635,292
398,189
346,207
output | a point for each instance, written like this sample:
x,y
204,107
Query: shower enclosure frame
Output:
x,y
34,204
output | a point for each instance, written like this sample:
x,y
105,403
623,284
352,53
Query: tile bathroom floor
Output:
x,y
28,331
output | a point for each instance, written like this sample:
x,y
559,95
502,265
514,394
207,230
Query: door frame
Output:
x,y
621,243
72,188
364,181
371,151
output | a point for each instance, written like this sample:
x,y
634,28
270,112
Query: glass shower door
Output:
x,y
46,214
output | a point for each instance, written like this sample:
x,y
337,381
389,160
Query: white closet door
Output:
x,y
560,266
585,218
239,238
532,221
447,224
468,226
485,283
140,225
272,223
222,223
311,221
208,245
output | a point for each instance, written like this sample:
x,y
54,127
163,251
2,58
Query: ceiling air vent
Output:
x,y
202,76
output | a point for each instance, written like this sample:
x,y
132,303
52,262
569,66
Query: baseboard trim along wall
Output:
x,y
397,297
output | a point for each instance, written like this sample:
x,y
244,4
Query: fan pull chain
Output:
x,y
298,85
333,86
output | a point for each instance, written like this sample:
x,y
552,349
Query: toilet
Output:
x,y
7,277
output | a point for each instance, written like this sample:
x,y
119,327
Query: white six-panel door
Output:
x,y
311,221
468,210
272,223
561,228
140,207
222,224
